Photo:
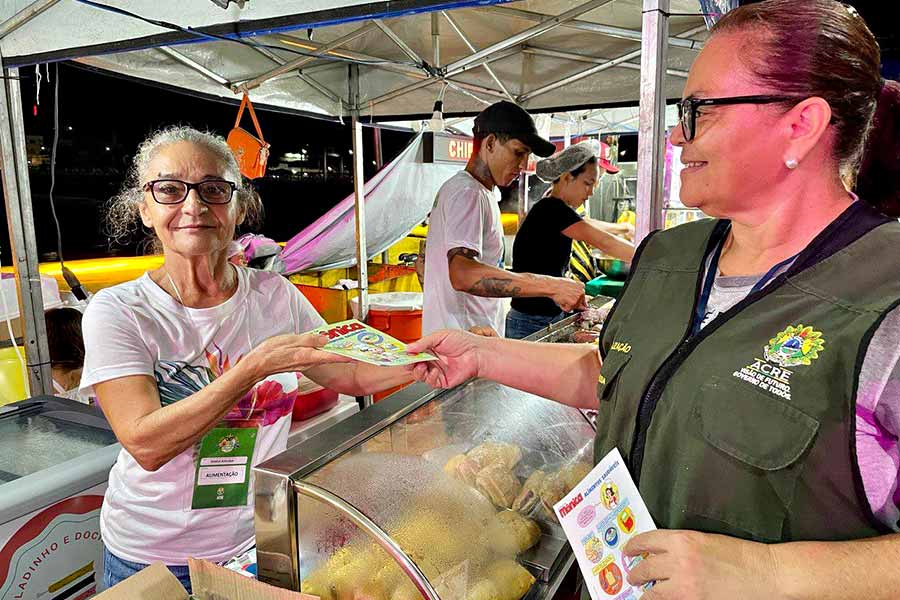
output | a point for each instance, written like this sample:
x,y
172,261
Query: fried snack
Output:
x,y
553,488
405,591
498,484
539,493
452,464
317,585
467,470
429,539
319,582
574,472
511,579
484,589
530,494
462,468
493,453
509,533
354,580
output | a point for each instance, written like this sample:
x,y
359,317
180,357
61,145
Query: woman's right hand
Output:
x,y
459,357
292,352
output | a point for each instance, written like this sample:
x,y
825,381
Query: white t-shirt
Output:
x,y
466,215
136,328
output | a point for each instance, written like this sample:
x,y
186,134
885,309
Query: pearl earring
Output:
x,y
791,163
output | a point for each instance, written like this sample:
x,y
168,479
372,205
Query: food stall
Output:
x,y
368,62
442,493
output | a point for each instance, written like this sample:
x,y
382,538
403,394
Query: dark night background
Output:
x,y
103,119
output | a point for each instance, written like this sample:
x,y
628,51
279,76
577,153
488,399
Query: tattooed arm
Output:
x,y
469,275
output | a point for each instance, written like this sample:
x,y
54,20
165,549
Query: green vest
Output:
x,y
748,427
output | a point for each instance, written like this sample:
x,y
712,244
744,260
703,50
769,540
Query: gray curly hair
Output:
x,y
122,212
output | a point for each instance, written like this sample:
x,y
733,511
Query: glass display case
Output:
x,y
434,494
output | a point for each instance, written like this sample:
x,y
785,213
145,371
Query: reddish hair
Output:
x,y
880,171
818,48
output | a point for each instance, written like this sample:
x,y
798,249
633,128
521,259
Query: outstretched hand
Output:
x,y
458,358
292,352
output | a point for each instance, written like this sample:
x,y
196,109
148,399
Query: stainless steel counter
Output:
x,y
375,461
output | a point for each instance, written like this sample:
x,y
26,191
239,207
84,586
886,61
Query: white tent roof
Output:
x,y
590,60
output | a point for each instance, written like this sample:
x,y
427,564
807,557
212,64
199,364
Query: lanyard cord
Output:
x,y
711,273
197,331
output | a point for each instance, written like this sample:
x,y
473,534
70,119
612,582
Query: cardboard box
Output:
x,y
209,582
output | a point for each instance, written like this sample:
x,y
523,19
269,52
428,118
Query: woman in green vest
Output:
x,y
749,373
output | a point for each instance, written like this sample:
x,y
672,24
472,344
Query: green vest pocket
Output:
x,y
752,427
609,372
752,446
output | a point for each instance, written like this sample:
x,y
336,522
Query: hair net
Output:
x,y
550,169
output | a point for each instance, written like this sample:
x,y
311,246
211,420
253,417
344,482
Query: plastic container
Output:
x,y
12,383
398,314
312,399
604,286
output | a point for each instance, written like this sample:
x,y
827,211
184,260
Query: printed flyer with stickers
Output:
x,y
358,341
599,516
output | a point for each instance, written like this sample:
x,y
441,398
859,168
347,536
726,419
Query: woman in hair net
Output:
x,y
544,242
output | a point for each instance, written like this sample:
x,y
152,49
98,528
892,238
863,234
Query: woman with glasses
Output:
x,y
195,364
749,373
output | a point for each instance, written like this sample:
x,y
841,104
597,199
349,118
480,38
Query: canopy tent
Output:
x,y
349,58
544,54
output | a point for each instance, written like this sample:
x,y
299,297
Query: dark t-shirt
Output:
x,y
541,248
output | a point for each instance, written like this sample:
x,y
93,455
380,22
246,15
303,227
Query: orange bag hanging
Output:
x,y
250,151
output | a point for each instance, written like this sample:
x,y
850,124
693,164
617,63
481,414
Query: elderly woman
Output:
x,y
749,373
194,364
544,242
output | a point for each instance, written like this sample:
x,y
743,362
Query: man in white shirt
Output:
x,y
464,277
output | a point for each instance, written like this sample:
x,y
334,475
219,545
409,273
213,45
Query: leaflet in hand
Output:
x,y
360,342
599,516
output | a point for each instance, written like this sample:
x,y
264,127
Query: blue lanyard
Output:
x,y
711,273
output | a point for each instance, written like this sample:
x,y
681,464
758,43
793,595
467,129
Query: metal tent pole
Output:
x,y
652,124
20,216
379,162
607,30
523,36
296,64
362,258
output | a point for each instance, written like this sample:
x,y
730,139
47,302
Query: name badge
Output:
x,y
222,477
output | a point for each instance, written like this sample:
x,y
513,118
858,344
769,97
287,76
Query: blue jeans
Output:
x,y
520,325
116,569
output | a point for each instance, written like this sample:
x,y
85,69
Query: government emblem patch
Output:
x,y
797,345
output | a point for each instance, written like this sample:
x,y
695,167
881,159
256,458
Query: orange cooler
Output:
x,y
398,314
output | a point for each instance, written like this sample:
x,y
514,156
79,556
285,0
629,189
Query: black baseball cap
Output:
x,y
512,120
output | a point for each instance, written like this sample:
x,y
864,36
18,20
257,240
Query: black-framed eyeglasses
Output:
x,y
175,191
687,108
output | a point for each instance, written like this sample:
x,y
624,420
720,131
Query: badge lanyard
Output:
x,y
223,457
710,279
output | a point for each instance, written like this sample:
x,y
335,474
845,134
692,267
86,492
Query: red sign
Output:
x,y
446,148
335,332
459,149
